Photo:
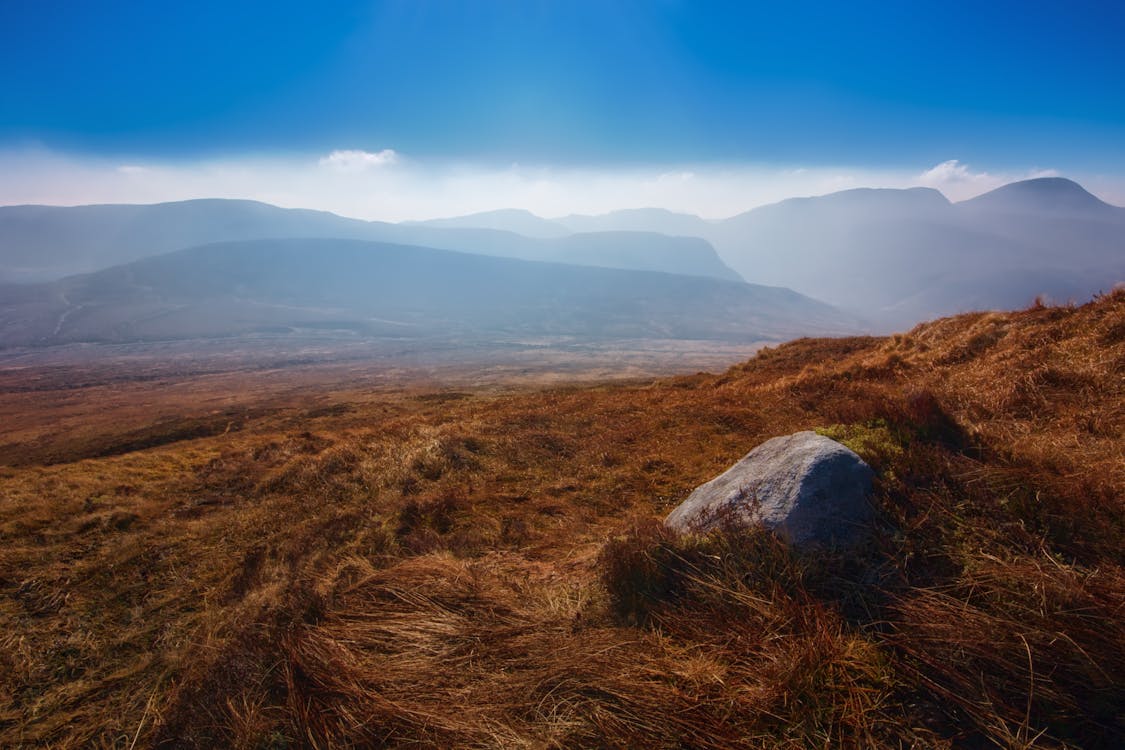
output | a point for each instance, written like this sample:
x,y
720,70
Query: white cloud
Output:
x,y
951,171
959,182
132,169
354,160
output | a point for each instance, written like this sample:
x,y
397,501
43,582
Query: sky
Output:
x,y
415,108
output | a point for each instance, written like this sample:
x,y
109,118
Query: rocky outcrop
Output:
x,y
805,487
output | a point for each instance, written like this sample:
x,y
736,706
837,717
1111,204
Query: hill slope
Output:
x,y
1043,195
348,565
905,256
898,257
378,289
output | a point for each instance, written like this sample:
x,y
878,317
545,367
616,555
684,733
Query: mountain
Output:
x,y
523,222
514,220
1043,195
388,290
898,257
648,251
828,242
638,220
901,256
650,239
866,249
893,257
49,242
42,243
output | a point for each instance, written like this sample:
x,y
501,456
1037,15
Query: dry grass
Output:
x,y
354,565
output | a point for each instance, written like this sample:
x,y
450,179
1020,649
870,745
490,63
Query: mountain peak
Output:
x,y
1056,194
913,200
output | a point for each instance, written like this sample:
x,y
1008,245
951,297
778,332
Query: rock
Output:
x,y
805,487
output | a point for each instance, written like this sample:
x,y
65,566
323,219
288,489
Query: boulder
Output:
x,y
805,487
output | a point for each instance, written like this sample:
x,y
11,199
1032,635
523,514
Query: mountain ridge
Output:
x,y
1055,194
382,289
892,256
518,220
40,243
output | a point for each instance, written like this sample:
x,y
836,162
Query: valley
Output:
x,y
52,401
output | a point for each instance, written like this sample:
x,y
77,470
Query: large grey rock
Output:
x,y
805,487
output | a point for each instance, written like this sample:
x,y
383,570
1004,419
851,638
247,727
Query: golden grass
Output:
x,y
356,565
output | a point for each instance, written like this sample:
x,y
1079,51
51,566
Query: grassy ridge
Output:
x,y
484,568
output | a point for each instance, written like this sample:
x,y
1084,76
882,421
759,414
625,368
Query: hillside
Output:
x,y
1043,195
379,290
43,243
897,257
290,558
901,256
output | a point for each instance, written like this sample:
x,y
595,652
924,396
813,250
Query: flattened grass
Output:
x,y
487,569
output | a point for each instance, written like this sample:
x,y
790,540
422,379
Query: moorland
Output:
x,y
314,550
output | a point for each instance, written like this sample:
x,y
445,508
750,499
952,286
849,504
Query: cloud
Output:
x,y
132,169
951,171
354,160
959,182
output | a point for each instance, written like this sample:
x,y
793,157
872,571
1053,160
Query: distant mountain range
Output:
x,y
41,243
515,220
368,289
901,256
628,220
889,258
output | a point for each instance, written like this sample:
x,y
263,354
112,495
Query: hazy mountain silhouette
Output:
x,y
47,242
386,290
514,220
898,257
894,257
39,243
524,222
639,220
902,256
1043,195
647,251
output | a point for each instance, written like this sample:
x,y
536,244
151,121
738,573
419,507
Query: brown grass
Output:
x,y
354,565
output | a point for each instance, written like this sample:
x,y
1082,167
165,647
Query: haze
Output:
x,y
394,111
387,185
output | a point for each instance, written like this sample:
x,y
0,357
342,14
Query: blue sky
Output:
x,y
1006,87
